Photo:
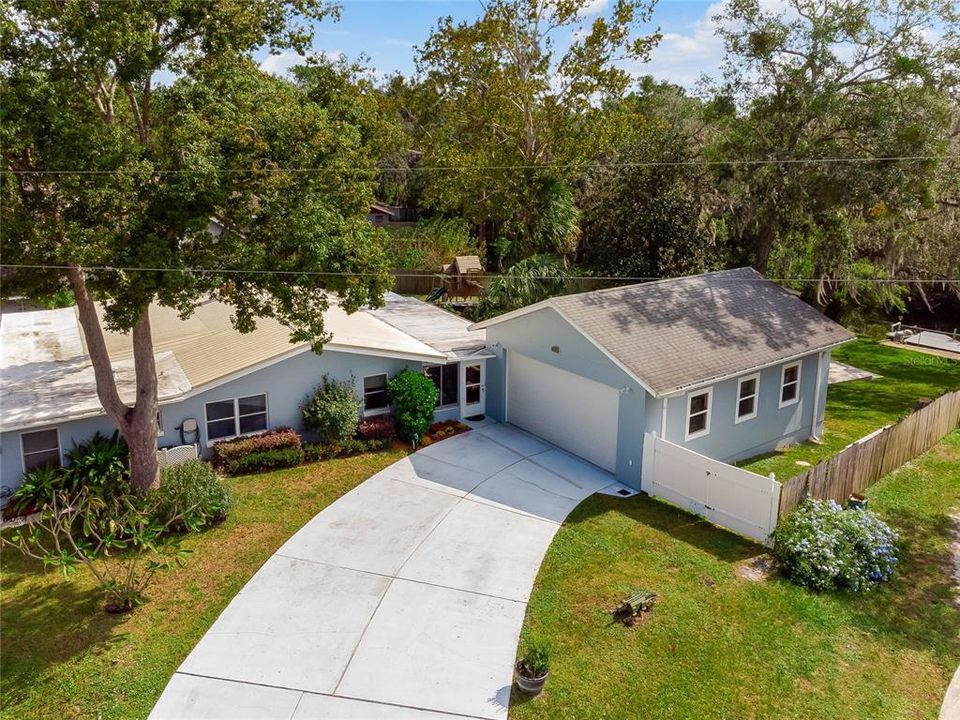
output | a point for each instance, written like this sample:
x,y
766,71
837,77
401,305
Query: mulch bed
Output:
x,y
442,430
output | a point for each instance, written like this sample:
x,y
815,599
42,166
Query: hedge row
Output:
x,y
284,448
280,439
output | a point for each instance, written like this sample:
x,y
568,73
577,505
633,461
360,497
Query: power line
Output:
x,y
496,168
322,273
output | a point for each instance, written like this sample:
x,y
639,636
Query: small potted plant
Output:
x,y
532,669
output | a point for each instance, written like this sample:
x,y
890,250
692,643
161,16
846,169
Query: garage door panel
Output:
x,y
571,411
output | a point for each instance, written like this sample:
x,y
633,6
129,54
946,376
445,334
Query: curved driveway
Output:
x,y
403,599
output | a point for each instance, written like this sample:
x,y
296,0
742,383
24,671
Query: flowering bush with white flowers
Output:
x,y
824,547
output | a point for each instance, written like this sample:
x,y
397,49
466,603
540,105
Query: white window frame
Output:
x,y
783,377
737,417
709,412
236,417
363,393
23,458
455,403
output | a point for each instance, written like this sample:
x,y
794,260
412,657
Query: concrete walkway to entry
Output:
x,y
403,599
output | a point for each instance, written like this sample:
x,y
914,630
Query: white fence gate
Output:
x,y
177,454
736,499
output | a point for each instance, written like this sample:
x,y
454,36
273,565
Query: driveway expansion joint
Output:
x,y
396,579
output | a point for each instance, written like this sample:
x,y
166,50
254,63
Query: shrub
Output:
x,y
277,439
119,541
190,496
377,427
333,412
100,464
824,547
265,460
414,398
314,452
36,490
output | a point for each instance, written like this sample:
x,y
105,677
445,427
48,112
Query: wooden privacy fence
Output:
x,y
867,460
423,282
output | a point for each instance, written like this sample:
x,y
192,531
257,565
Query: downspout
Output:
x,y
816,397
663,418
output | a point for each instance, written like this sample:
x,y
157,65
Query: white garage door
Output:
x,y
572,412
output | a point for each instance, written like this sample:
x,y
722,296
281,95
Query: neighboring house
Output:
x,y
225,382
727,364
380,214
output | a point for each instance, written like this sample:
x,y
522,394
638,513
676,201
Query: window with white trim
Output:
x,y
375,398
236,416
748,389
698,413
447,379
40,449
790,384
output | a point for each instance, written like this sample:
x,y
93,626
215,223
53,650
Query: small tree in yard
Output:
x,y
414,398
110,181
119,541
333,412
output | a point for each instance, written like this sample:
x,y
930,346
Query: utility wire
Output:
x,y
321,273
498,168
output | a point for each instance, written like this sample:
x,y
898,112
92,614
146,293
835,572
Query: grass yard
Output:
x,y
719,646
65,658
858,408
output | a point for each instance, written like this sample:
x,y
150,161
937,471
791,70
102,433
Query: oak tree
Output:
x,y
111,179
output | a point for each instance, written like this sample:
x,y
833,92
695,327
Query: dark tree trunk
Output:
x,y
137,424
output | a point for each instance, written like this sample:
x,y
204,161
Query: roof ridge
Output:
x,y
661,281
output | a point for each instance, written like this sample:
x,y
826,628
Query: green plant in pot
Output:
x,y
532,669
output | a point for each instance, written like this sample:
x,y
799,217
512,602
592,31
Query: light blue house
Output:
x,y
216,383
727,364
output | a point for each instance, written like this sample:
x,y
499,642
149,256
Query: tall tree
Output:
x,y
111,181
649,209
823,89
507,106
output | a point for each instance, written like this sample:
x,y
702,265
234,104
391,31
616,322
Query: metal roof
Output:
x,y
443,331
47,377
675,334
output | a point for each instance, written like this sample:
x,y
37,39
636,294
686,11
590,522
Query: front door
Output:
x,y
474,389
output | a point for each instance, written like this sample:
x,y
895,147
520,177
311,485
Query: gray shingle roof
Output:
x,y
672,334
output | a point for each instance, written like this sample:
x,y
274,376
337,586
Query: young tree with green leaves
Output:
x,y
110,180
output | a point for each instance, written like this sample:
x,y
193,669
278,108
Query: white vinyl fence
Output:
x,y
736,499
177,454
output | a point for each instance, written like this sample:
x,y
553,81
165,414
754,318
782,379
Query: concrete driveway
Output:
x,y
403,599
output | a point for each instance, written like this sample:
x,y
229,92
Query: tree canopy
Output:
x,y
226,183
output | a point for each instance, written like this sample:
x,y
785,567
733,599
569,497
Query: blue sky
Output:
x,y
388,30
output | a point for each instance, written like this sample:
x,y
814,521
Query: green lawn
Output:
x,y
719,646
858,408
65,658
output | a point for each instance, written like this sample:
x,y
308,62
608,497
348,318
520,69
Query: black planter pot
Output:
x,y
531,686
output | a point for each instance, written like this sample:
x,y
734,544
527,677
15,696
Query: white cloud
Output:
x,y
682,58
281,63
595,7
